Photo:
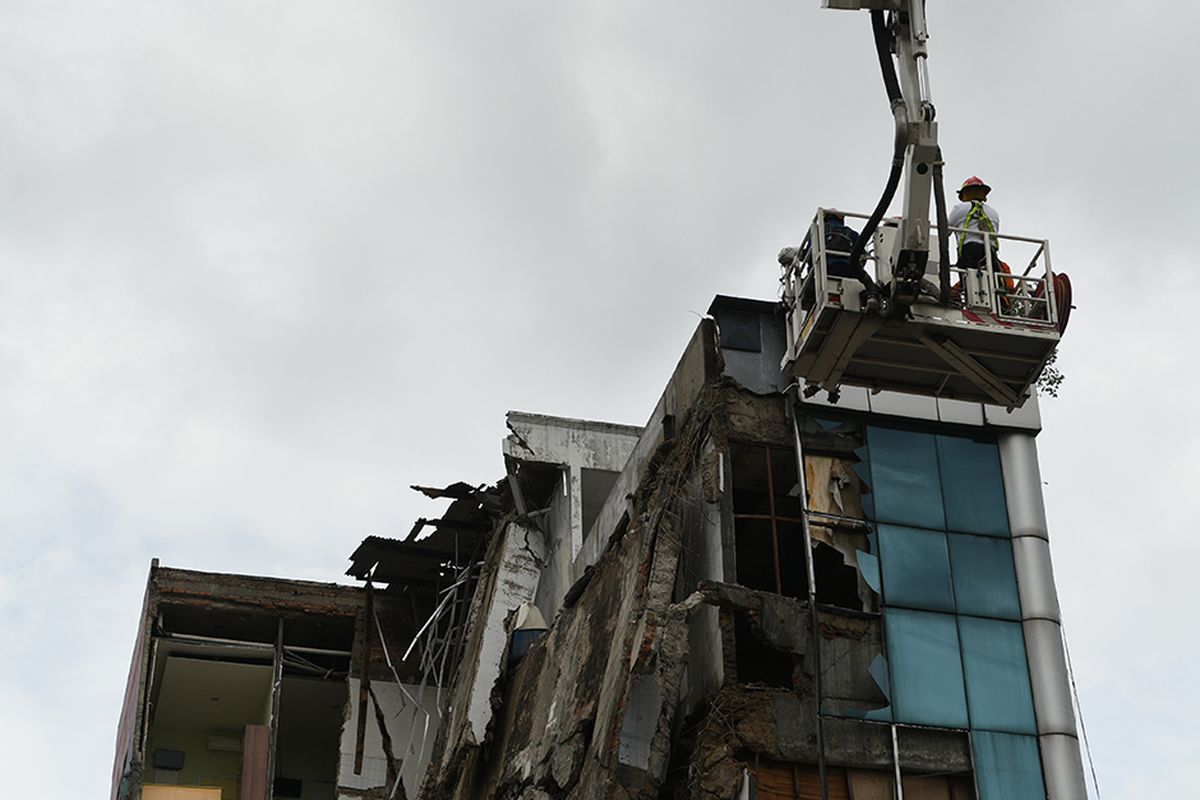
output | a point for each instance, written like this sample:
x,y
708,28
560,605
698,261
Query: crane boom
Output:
x,y
983,333
917,158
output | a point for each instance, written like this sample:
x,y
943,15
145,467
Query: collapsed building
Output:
x,y
250,687
755,595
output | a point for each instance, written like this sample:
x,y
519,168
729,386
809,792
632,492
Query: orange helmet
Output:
x,y
974,182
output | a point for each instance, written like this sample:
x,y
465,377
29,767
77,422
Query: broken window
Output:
x,y
740,330
767,525
594,487
210,711
758,662
770,535
837,582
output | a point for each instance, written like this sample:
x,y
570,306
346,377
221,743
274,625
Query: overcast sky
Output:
x,y
265,264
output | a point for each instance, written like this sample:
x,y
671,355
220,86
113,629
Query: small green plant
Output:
x,y
1051,379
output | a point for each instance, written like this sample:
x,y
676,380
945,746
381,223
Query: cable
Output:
x,y
892,84
1079,709
939,201
882,49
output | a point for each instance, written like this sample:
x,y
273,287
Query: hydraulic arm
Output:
x,y
983,333
901,40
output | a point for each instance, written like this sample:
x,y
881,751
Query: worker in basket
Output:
x,y
839,241
976,218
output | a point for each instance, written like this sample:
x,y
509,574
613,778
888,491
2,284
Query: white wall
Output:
x,y
406,723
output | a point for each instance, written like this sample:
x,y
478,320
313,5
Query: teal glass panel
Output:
x,y
927,679
984,581
916,569
905,483
998,693
862,468
1007,767
972,486
868,567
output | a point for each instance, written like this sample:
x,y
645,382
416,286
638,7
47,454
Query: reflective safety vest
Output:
x,y
983,223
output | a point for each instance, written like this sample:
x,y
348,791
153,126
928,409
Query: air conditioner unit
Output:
x,y
225,742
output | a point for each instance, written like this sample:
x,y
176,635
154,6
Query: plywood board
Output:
x,y
255,746
155,791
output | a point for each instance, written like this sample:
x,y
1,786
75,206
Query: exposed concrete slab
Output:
x,y
699,366
575,445
564,440
556,573
519,572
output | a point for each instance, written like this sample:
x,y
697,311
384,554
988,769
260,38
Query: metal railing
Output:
x,y
992,287
1026,297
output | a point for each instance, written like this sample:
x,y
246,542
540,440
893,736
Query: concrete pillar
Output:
x,y
1057,735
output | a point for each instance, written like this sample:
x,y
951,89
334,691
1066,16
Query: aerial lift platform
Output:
x,y
989,344
912,321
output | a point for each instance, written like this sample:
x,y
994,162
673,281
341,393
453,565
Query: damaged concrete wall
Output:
x,y
582,449
128,752
239,608
574,444
639,671
511,572
520,570
699,366
590,710
660,677
707,516
555,579
753,342
745,722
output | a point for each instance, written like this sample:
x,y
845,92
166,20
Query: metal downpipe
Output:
x,y
802,478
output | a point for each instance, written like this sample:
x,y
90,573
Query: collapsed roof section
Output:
x,y
432,561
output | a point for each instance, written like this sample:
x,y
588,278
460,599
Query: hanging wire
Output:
x,y
416,705
432,660
1079,710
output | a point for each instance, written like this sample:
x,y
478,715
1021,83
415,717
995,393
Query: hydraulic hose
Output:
x,y
939,200
892,83
884,50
